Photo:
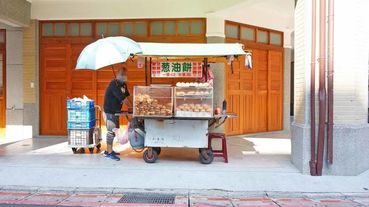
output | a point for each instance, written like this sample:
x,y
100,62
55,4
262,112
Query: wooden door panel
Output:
x,y
54,114
235,104
231,91
2,112
261,115
261,92
248,115
275,92
275,112
54,88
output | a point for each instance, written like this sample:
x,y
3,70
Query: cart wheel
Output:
x,y
74,150
150,158
80,150
206,156
157,149
91,149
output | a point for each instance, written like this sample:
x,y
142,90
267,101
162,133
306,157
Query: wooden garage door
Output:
x,y
61,43
255,94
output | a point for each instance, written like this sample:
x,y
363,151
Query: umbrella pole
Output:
x,y
112,68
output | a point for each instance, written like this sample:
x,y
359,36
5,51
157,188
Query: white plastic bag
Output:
x,y
121,135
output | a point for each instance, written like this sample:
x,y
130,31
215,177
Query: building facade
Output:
x,y
44,38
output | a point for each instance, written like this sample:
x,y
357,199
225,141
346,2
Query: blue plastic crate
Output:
x,y
79,104
81,125
81,115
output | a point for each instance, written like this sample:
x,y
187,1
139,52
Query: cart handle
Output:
x,y
126,114
99,114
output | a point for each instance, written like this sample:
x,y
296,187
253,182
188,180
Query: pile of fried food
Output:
x,y
194,108
193,93
145,105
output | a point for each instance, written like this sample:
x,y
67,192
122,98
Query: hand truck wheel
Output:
x,y
74,150
157,149
98,146
206,156
91,149
150,155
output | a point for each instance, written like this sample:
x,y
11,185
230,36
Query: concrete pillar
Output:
x,y
15,14
14,85
351,128
287,88
215,34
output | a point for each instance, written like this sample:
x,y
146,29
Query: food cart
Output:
x,y
179,116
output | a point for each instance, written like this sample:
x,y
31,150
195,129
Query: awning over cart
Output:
x,y
190,49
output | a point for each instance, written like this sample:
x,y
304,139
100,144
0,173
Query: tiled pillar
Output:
x,y
351,129
30,77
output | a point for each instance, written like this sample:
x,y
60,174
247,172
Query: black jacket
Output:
x,y
114,97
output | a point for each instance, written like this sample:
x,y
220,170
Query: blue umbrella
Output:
x,y
107,51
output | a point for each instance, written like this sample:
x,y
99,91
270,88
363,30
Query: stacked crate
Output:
x,y
81,122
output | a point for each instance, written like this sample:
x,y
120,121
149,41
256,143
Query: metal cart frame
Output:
x,y
182,135
158,135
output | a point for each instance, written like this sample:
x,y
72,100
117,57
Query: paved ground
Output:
x,y
256,164
182,198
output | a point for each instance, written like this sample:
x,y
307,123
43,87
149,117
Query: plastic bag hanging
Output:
x,y
248,60
230,59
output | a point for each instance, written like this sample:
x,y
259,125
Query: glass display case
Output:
x,y
193,102
153,101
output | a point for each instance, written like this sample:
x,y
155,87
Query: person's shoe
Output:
x,y
113,156
106,153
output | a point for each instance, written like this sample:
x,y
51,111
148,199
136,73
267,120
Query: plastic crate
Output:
x,y
81,125
82,115
79,104
80,137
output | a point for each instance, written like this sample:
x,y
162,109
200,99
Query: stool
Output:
x,y
219,153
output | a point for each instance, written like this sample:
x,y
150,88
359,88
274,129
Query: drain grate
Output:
x,y
152,198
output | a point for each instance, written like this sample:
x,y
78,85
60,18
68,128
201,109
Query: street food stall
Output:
x,y
179,116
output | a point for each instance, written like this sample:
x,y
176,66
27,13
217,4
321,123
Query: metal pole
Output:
x,y
322,88
206,68
330,79
312,93
145,71
150,71
112,68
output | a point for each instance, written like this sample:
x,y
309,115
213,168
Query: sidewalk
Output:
x,y
177,198
255,164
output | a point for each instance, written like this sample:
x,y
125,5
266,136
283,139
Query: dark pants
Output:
x,y
112,122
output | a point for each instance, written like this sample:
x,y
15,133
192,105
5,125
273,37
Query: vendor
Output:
x,y
116,94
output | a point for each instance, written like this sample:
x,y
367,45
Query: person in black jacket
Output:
x,y
115,95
